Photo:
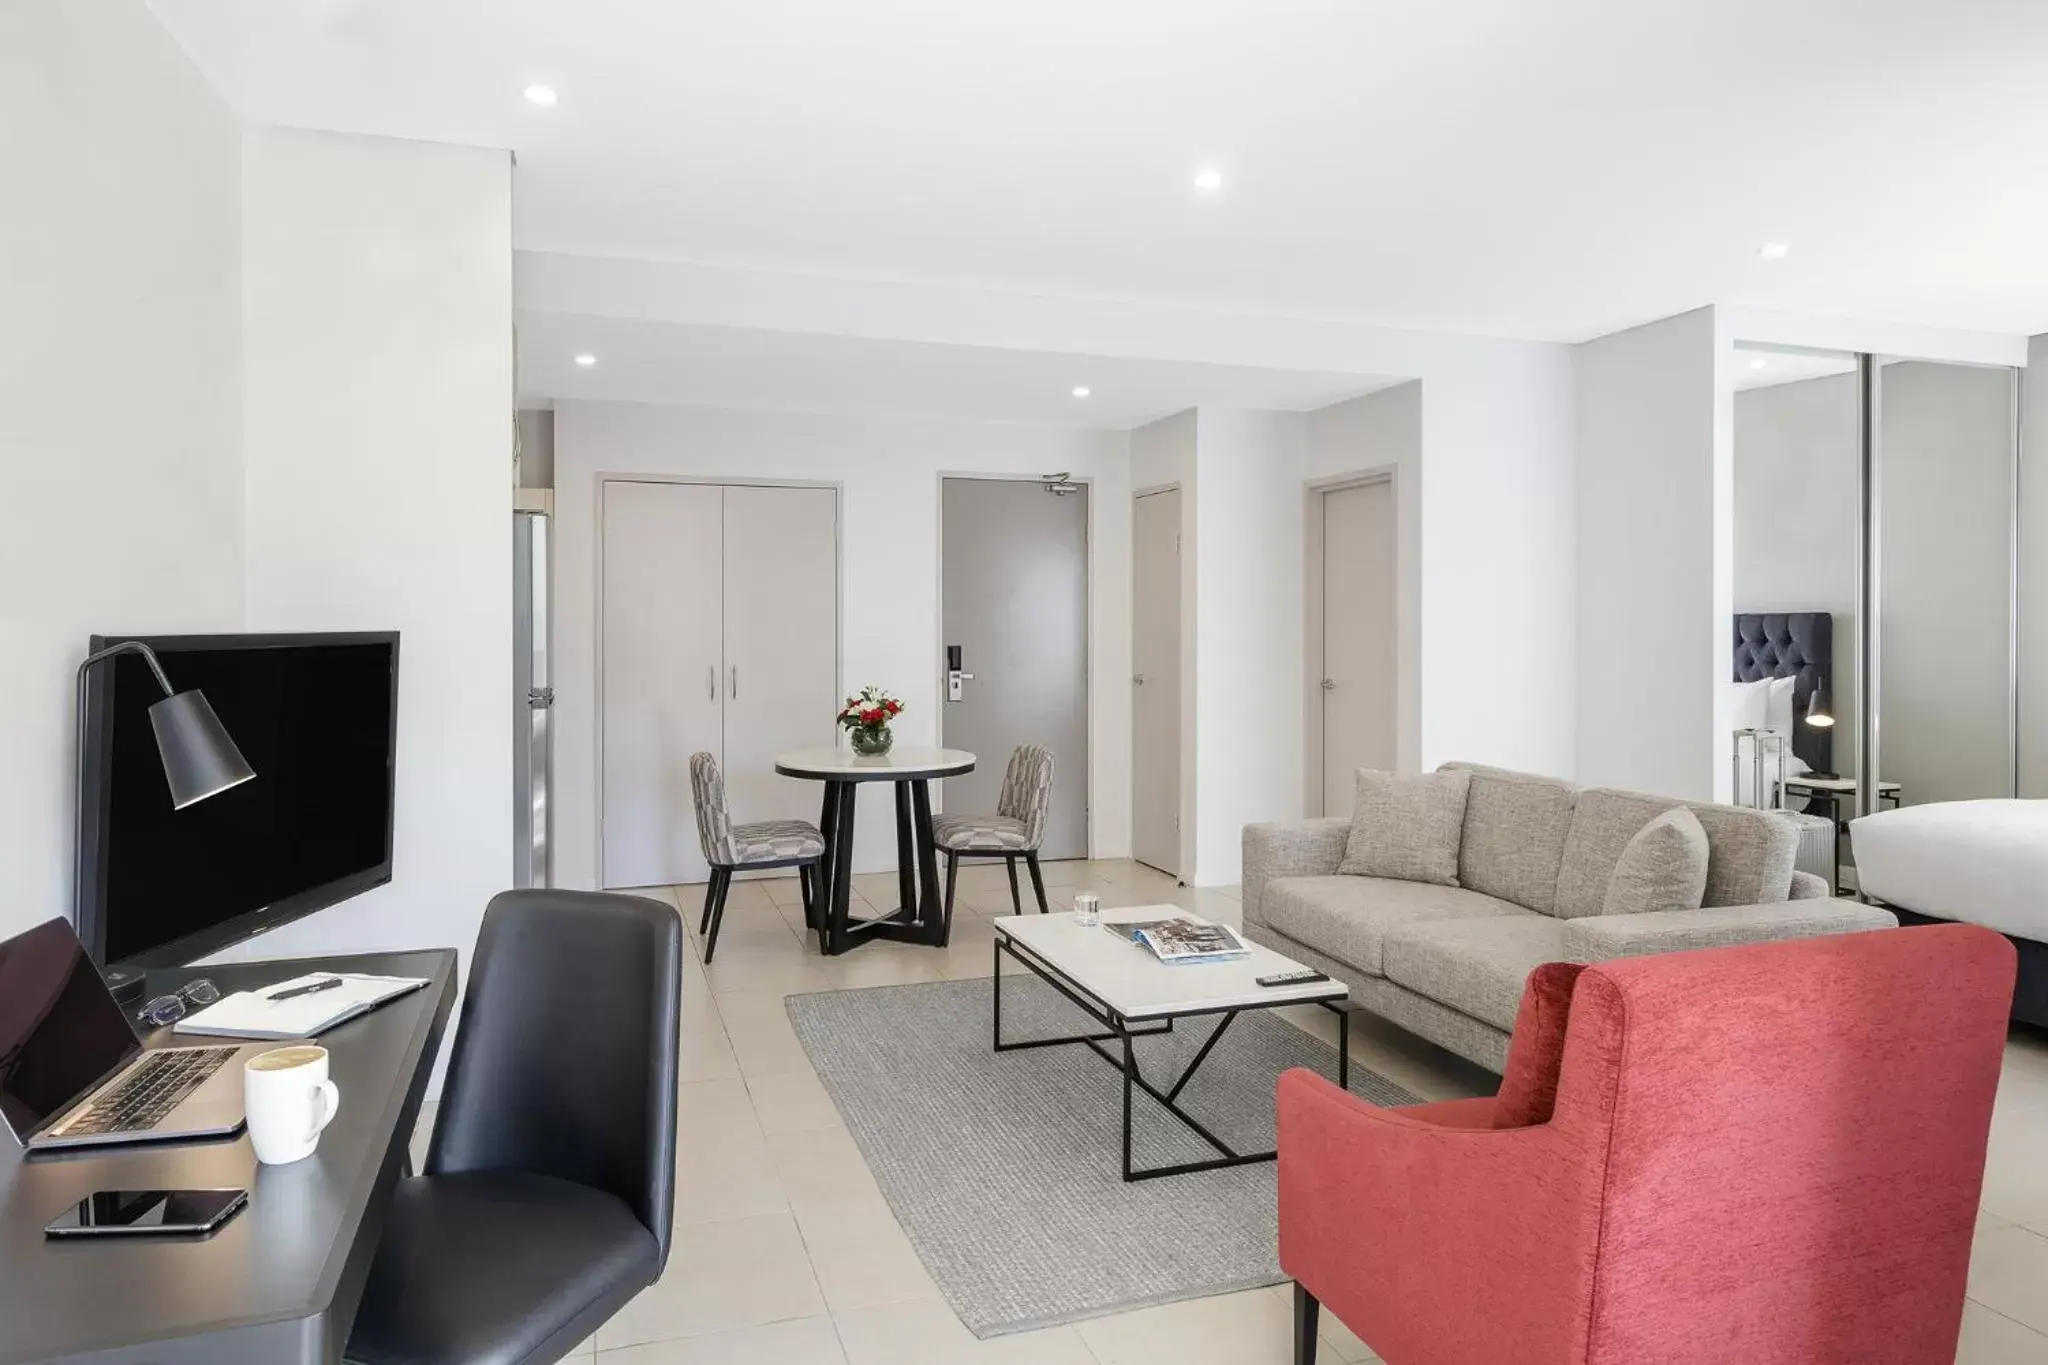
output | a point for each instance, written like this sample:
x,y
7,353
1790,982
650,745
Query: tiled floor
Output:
x,y
786,1254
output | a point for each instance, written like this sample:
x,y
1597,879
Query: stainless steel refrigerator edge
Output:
x,y
533,695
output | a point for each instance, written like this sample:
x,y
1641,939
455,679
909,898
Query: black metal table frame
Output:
x,y
920,917
1121,1030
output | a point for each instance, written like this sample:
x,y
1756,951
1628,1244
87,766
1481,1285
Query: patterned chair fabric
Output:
x,y
1019,822
728,845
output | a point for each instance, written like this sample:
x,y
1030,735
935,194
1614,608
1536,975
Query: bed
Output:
x,y
1974,862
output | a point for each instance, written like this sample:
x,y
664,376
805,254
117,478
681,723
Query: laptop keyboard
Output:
x,y
150,1092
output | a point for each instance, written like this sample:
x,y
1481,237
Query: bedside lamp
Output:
x,y
1817,713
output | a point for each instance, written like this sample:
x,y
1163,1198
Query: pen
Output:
x,y
329,984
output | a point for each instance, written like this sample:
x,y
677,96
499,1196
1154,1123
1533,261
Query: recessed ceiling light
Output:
x,y
1081,390
586,360
1758,364
1209,179
1774,251
543,95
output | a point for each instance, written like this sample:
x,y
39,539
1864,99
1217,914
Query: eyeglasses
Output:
x,y
166,1010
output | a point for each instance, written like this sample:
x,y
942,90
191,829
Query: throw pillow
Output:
x,y
1407,828
1664,867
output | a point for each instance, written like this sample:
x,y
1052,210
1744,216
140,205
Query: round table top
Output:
x,y
901,764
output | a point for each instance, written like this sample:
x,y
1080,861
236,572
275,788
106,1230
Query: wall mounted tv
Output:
x,y
317,717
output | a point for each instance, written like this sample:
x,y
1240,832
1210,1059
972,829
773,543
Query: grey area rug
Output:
x,y
1005,1169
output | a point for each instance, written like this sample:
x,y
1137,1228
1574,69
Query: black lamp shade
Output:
x,y
199,758
1817,712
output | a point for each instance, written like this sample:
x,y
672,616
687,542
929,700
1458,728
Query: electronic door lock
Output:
x,y
954,677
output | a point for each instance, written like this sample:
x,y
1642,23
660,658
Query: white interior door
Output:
x,y
661,696
781,643
1014,577
1358,637
1155,680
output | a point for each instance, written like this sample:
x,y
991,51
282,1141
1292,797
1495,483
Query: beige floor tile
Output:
x,y
704,1052
1993,1339
925,1332
1251,1328
743,1272
757,1026
792,1102
725,1180
860,1255
1339,1343
783,890
822,1168
799,1341
884,964
2009,1272
583,1350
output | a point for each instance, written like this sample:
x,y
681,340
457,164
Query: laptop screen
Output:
x,y
60,1031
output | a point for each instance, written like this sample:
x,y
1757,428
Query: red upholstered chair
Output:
x,y
1768,1154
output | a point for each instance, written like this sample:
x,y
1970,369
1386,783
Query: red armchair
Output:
x,y
1769,1154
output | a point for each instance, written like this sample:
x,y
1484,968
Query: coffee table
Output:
x,y
1132,995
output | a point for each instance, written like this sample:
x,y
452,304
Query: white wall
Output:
x,y
1162,453
1248,630
1797,456
378,329
889,471
1383,431
120,446
1499,656
1654,587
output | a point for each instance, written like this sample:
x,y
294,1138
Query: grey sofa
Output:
x,y
1534,859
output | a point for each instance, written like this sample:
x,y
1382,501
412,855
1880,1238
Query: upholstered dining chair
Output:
x,y
548,1197
731,848
1014,831
1769,1154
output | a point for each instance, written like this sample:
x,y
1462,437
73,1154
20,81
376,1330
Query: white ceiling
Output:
x,y
658,362
1551,170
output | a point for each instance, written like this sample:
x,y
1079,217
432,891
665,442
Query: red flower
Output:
x,y
894,707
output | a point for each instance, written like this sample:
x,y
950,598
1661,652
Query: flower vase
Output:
x,y
872,741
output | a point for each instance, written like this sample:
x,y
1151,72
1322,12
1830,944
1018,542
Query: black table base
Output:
x,y
920,916
1121,1031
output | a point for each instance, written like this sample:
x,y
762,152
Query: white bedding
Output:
x,y
1980,862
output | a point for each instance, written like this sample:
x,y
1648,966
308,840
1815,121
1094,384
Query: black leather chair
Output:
x,y
549,1191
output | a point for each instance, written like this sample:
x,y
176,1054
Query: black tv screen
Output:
x,y
315,715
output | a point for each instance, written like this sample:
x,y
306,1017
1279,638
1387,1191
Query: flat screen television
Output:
x,y
316,715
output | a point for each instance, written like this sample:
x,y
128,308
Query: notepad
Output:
x,y
254,1014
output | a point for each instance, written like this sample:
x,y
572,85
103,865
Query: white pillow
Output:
x,y
1766,704
1778,716
1750,705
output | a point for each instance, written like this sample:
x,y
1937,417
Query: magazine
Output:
x,y
1177,940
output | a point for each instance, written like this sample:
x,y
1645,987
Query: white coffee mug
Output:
x,y
288,1100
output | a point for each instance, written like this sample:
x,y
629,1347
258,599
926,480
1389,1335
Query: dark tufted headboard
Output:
x,y
1801,644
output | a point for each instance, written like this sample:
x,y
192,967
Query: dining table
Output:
x,y
920,915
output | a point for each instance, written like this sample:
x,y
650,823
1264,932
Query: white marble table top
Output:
x,y
902,763
1127,978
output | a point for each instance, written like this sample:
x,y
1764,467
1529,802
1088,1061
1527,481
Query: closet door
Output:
x,y
662,689
781,683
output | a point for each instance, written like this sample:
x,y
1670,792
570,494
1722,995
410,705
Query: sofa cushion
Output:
x,y
1749,852
1515,828
1407,827
1348,918
1478,966
1664,867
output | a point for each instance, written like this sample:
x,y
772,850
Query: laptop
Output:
x,y
72,1071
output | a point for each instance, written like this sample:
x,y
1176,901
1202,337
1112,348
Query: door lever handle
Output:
x,y
735,681
711,683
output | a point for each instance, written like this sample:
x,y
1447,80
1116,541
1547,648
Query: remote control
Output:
x,y
1305,975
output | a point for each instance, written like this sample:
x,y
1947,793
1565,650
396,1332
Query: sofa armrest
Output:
x,y
1598,938
1807,886
1294,848
1411,1224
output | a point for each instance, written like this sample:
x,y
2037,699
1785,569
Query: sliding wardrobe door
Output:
x,y
781,682
662,685
1945,583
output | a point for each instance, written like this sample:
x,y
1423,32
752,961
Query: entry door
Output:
x,y
1015,584
1155,681
781,644
661,659
1358,638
